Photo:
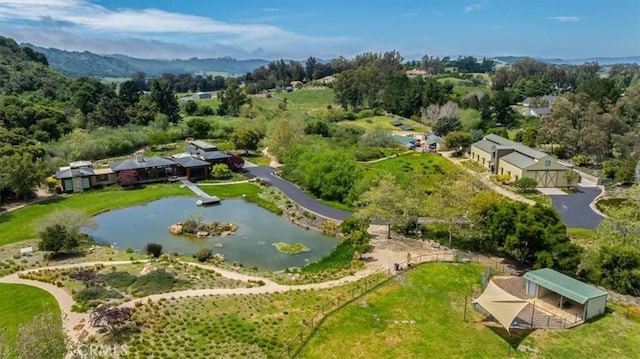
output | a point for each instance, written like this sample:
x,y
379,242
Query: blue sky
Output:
x,y
297,29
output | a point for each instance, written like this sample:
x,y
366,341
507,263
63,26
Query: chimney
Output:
x,y
139,158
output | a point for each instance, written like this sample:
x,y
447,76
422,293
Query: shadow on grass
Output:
x,y
515,338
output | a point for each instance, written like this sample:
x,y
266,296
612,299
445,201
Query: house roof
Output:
x,y
203,145
189,162
135,164
527,151
78,164
396,122
407,127
74,172
484,145
518,160
433,139
214,155
405,140
540,111
564,285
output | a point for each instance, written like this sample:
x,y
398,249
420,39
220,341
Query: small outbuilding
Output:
x,y
561,290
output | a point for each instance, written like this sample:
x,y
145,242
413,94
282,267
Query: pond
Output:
x,y
251,245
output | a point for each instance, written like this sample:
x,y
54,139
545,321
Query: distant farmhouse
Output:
x,y
202,95
539,106
536,112
327,80
194,164
503,156
415,73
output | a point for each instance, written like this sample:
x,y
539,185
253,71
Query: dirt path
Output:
x,y
485,179
41,195
273,162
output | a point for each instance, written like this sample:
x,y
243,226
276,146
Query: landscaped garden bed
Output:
x,y
256,326
91,286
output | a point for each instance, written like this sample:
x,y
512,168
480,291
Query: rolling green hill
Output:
x,y
78,64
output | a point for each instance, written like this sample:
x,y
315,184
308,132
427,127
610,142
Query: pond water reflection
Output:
x,y
251,245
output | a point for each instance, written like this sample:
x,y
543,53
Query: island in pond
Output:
x,y
291,248
199,228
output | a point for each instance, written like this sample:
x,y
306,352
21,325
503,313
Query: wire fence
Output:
x,y
364,286
534,316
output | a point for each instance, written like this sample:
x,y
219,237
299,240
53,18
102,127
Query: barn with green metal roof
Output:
x,y
561,290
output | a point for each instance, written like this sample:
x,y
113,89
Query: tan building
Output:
x,y
503,156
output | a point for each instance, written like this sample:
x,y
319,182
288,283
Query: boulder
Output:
x,y
202,234
175,229
148,268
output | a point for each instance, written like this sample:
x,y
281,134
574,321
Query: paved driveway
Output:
x,y
574,208
296,194
552,191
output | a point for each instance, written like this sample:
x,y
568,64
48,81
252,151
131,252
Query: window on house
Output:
x,y
547,163
85,183
68,185
102,178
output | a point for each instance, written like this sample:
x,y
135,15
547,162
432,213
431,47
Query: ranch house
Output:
x,y
503,156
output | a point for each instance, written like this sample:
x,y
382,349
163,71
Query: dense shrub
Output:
x,y
203,254
92,293
120,280
84,275
159,281
340,258
154,249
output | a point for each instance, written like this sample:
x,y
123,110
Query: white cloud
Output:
x,y
564,18
475,7
409,14
82,19
271,9
438,13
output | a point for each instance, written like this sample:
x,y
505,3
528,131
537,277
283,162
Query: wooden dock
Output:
x,y
203,198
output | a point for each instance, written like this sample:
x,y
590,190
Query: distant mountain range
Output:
x,y
77,64
605,61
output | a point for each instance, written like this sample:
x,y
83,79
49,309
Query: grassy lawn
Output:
x,y
428,166
382,122
20,224
432,296
474,166
470,118
611,336
307,99
258,160
250,191
20,303
586,238
379,325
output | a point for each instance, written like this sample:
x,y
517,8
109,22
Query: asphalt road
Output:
x,y
574,208
296,194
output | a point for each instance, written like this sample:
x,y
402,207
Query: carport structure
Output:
x,y
566,293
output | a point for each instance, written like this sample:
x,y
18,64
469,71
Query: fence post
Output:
x,y
533,312
564,322
465,309
548,321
